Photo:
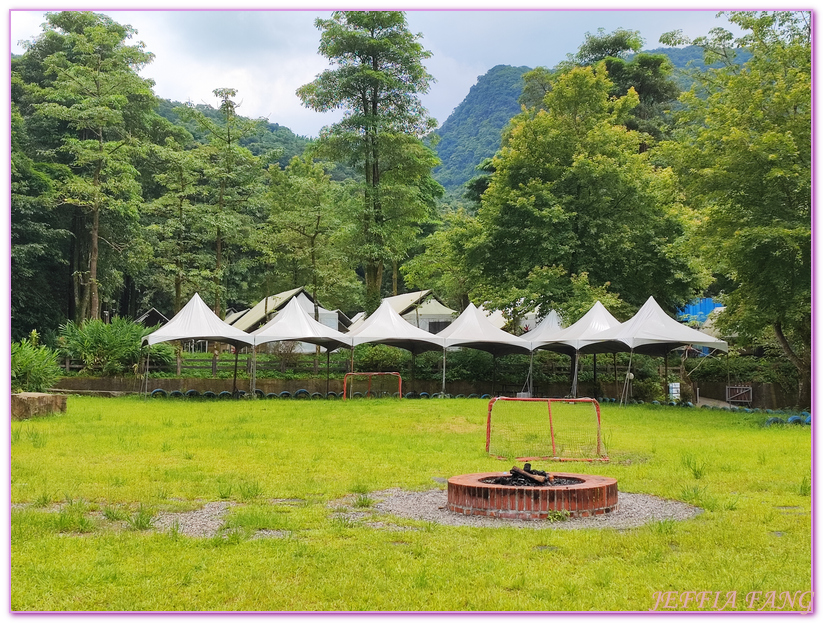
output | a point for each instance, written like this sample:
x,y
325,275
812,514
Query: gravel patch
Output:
x,y
634,510
203,522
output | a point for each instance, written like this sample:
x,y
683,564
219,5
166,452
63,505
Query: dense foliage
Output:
x,y
110,349
592,180
33,367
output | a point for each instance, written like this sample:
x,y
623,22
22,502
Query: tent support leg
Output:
x,y
531,367
328,365
254,372
494,372
412,374
574,375
615,375
443,385
236,356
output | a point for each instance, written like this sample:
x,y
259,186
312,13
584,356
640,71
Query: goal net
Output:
x,y
372,385
545,428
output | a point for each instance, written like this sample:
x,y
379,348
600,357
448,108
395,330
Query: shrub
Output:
x,y
110,349
33,368
379,358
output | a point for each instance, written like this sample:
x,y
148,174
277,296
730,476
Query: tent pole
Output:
x,y
328,365
443,386
624,397
494,372
412,373
253,372
146,375
574,376
531,366
666,377
615,374
236,355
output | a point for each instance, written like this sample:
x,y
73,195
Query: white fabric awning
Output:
x,y
578,335
473,330
294,323
386,326
650,332
197,322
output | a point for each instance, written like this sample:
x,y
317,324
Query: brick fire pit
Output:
x,y
589,495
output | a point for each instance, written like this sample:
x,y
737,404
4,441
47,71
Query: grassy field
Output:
x,y
85,487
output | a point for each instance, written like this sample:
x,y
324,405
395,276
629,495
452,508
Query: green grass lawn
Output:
x,y
86,484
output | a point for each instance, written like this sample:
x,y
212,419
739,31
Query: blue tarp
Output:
x,y
698,310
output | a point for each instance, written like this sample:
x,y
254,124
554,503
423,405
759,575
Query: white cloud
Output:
x,y
267,54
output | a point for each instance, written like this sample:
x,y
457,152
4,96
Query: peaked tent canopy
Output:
x,y
473,330
197,322
293,322
543,334
386,326
580,334
266,307
649,332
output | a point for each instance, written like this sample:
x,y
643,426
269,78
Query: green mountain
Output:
x,y
270,137
472,132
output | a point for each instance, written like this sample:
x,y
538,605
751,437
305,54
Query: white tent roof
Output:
x,y
293,322
432,307
197,322
402,304
473,330
650,332
495,317
386,326
578,335
544,331
268,305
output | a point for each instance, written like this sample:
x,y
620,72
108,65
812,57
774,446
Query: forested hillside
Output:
x,y
472,132
268,138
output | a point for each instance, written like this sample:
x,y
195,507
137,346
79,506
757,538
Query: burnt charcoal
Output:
x,y
520,481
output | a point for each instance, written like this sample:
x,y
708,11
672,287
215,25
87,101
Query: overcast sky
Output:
x,y
267,54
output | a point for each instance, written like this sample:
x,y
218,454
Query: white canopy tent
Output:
x,y
570,340
649,332
294,323
386,326
472,329
197,322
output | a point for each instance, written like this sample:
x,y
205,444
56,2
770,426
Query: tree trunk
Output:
x,y
803,365
374,277
219,253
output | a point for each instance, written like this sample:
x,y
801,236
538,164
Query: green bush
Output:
x,y
110,349
379,358
33,368
647,390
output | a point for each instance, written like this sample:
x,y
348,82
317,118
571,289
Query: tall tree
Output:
x,y
377,77
304,225
743,157
571,190
92,90
231,184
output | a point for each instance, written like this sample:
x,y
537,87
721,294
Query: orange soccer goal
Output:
x,y
372,385
559,429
